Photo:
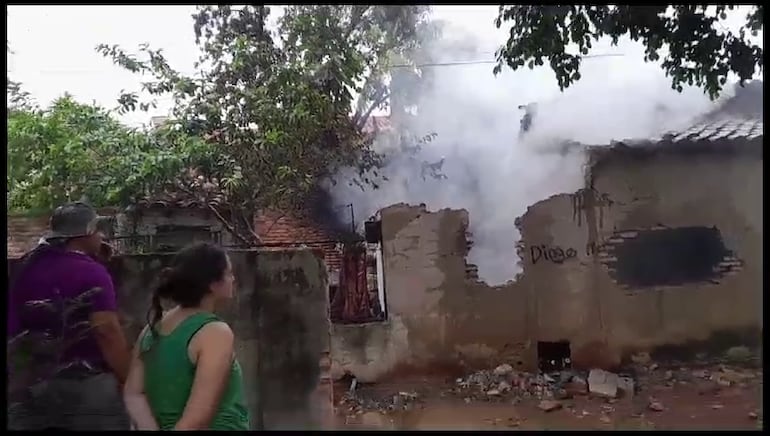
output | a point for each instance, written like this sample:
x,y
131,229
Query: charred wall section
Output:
x,y
647,258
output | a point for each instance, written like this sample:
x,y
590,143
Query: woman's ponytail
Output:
x,y
163,290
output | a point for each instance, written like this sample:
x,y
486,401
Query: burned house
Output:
x,y
661,252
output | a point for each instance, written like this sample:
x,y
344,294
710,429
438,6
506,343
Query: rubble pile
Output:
x,y
356,402
504,383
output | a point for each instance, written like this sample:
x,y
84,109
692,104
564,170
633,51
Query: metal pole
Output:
x,y
352,218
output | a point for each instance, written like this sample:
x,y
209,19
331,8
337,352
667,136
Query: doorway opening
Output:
x,y
554,356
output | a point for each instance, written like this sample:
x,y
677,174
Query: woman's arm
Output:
x,y
133,393
211,349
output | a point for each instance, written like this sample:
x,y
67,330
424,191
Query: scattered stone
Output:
x,y
653,367
513,423
717,406
549,405
700,373
503,369
603,383
735,376
737,354
724,383
504,386
655,406
467,400
753,415
562,394
605,419
669,375
493,392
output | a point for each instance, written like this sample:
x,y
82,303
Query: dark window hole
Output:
x,y
553,356
670,257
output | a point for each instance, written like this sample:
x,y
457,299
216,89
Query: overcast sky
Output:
x,y
54,46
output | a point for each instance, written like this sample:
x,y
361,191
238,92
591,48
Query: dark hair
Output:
x,y
188,279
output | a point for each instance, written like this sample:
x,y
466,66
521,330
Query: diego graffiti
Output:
x,y
553,254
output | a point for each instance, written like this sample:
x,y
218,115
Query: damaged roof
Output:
x,y
736,125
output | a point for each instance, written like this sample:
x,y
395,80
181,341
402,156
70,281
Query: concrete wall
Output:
x,y
439,318
281,324
186,224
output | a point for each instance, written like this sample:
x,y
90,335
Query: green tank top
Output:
x,y
169,375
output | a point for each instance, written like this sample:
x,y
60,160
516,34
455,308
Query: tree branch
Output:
x,y
227,224
361,122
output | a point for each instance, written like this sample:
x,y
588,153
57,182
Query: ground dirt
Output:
x,y
689,399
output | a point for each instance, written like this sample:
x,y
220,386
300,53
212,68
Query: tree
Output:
x,y
276,105
72,151
16,97
699,50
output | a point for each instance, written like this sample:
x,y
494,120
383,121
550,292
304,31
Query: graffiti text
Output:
x,y
553,254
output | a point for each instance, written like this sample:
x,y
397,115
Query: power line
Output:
x,y
432,64
453,63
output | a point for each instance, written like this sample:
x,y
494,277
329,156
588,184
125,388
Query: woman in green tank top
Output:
x,y
184,375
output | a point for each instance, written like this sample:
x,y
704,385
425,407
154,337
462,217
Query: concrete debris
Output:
x,y
504,381
655,406
503,370
357,403
738,354
642,358
753,415
549,405
700,373
603,383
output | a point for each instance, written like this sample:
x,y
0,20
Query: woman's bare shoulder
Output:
x,y
216,331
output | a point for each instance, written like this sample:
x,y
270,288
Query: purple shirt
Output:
x,y
60,276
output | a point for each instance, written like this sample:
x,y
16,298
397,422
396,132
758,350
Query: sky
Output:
x,y
54,46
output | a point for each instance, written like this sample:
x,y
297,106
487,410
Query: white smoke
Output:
x,y
491,172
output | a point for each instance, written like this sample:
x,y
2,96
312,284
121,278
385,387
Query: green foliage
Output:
x,y
72,151
697,48
277,104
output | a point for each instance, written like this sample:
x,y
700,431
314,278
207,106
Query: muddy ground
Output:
x,y
701,396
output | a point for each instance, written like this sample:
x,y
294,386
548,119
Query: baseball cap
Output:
x,y
74,220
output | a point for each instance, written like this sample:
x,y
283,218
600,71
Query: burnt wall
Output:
x,y
280,320
594,274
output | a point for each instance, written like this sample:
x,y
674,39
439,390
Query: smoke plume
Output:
x,y
487,168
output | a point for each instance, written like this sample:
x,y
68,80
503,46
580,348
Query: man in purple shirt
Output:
x,y
62,308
